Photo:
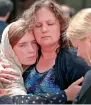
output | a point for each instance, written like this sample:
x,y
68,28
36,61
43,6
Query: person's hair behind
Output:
x,y
68,10
29,15
80,25
17,31
5,7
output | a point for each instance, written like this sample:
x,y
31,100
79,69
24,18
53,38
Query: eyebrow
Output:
x,y
26,42
53,20
22,43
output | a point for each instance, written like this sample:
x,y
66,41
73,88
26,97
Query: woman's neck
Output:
x,y
49,52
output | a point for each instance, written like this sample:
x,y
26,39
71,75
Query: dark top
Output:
x,y
84,97
3,25
68,68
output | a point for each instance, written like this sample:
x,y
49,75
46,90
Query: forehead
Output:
x,y
44,13
28,36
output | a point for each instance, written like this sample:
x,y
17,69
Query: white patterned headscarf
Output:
x,y
8,56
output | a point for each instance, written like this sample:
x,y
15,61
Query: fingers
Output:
x,y
79,81
3,92
9,77
10,72
5,65
7,74
3,80
80,88
1,59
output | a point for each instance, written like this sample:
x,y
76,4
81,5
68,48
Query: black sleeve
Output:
x,y
58,98
84,97
76,66
69,67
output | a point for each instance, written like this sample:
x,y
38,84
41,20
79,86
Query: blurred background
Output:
x,y
21,5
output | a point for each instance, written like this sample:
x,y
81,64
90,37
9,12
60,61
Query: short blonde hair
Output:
x,y
80,25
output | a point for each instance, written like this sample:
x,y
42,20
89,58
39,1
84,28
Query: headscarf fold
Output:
x,y
8,56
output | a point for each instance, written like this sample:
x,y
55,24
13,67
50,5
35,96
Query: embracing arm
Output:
x,y
12,80
34,99
45,98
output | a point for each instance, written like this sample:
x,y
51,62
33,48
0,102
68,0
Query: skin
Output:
x,y
47,28
26,49
84,48
47,34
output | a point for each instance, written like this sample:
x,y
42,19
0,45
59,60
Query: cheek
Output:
x,y
55,32
89,49
22,57
36,50
19,53
36,31
37,34
84,51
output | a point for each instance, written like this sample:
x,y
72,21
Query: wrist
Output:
x,y
67,94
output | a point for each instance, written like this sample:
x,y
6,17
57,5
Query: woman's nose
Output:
x,y
44,28
30,48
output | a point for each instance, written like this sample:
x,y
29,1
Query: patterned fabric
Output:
x,y
58,98
41,82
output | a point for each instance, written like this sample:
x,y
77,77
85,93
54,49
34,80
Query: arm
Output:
x,y
12,81
68,94
76,66
35,99
45,98
84,97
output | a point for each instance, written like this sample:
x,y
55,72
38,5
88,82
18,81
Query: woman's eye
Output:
x,y
51,23
38,25
22,45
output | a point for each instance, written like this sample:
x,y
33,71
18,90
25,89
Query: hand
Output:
x,y
73,89
3,92
7,74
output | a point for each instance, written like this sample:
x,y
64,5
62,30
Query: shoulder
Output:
x,y
74,65
71,54
67,53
